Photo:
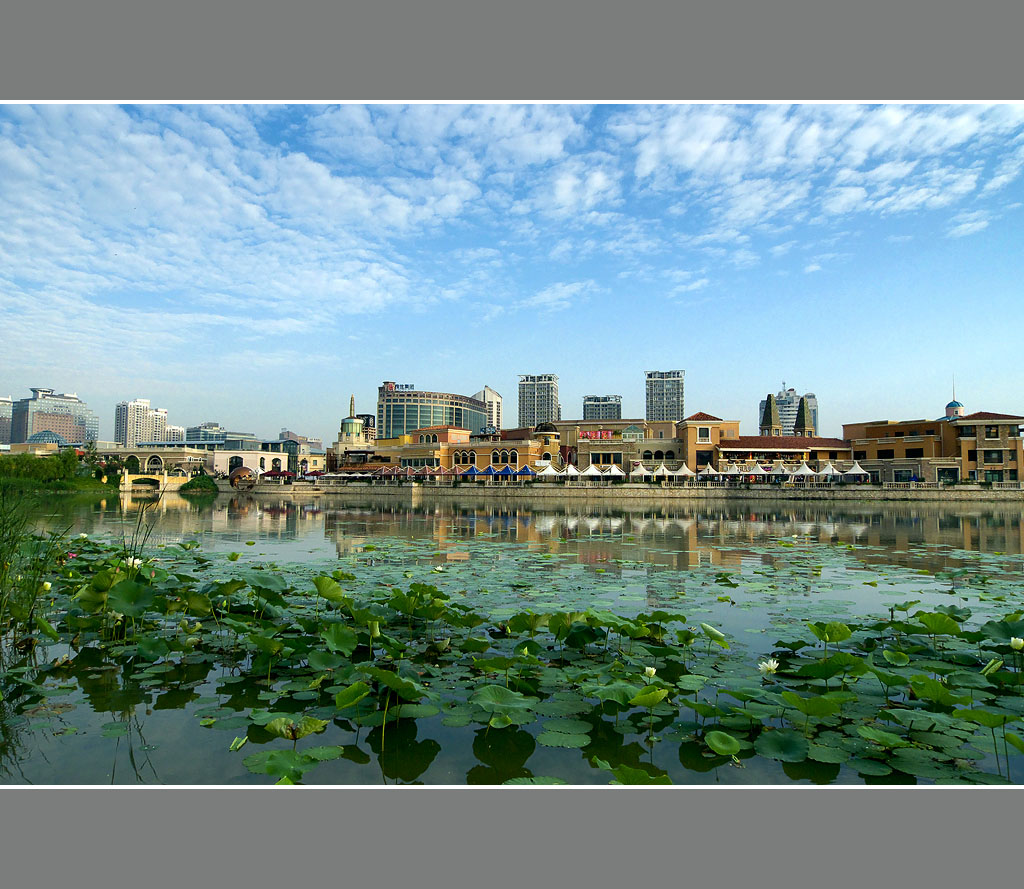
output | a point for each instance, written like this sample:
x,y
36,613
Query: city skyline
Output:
x,y
225,261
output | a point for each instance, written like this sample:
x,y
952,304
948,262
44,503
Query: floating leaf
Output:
x,y
782,744
722,743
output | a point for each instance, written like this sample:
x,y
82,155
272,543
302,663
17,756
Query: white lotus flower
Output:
x,y
649,672
46,586
1016,643
134,563
768,667
83,535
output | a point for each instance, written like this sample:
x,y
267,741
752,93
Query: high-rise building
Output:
x,y
369,426
316,444
665,395
602,407
136,422
6,410
206,432
493,401
65,415
401,408
788,401
175,433
538,399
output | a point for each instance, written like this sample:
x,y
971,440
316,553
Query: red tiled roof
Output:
x,y
780,443
988,415
701,417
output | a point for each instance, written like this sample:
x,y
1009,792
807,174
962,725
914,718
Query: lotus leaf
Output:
x,y
782,744
722,743
340,638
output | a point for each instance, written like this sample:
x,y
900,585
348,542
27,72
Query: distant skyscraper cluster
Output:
x,y
664,395
136,422
48,416
538,399
602,407
787,402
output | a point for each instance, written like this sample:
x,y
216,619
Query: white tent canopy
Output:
x,y
661,472
708,471
779,469
685,471
640,470
757,470
592,472
549,470
856,469
732,470
803,471
614,470
571,470
829,471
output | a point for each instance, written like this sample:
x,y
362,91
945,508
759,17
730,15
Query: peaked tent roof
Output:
x,y
804,470
471,471
856,469
571,470
662,470
505,471
709,470
757,470
829,470
685,470
525,470
549,470
592,471
614,470
640,469
489,471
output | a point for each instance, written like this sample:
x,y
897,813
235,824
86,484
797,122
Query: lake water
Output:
x,y
820,561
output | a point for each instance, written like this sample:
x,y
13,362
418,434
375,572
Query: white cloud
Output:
x,y
813,267
968,224
557,297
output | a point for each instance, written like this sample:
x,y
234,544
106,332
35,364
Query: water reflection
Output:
x,y
677,537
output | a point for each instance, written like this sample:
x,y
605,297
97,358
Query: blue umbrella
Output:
x,y
505,471
526,471
471,471
489,471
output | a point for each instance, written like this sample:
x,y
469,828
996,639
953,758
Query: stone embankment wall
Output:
x,y
558,495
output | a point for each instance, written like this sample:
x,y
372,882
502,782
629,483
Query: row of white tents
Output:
x,y
778,471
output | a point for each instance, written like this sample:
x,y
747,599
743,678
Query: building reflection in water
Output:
x,y
677,537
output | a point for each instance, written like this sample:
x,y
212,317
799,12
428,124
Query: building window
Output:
x,y
972,455
886,454
993,456
648,455
703,433
902,475
661,433
991,432
965,431
860,455
929,432
513,458
915,452
670,455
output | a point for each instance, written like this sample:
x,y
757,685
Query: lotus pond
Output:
x,y
239,642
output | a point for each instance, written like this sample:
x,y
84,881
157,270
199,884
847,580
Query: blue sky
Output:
x,y
257,264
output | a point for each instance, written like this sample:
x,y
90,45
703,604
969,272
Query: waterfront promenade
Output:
x,y
539,492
